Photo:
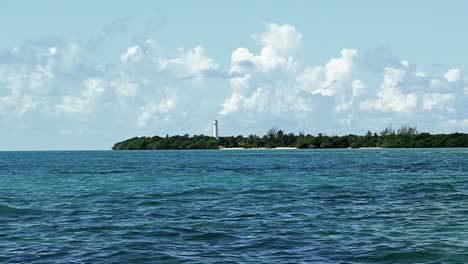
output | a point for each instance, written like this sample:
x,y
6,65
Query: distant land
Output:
x,y
404,137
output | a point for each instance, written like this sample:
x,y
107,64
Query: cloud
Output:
x,y
260,82
149,111
17,105
377,59
93,88
132,54
283,39
125,87
71,104
192,63
331,78
65,80
145,89
359,88
22,85
232,104
71,56
453,75
390,96
339,94
432,100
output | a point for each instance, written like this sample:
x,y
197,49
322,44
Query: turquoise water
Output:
x,y
248,206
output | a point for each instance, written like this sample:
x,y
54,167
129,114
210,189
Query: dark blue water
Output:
x,y
255,206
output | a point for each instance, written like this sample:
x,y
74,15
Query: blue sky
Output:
x,y
82,75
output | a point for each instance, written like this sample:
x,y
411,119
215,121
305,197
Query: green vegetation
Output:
x,y
405,137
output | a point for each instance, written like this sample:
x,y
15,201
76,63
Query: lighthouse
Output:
x,y
215,128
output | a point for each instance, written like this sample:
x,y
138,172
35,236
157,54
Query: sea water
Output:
x,y
243,206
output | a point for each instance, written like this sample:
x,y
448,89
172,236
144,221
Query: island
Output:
x,y
404,137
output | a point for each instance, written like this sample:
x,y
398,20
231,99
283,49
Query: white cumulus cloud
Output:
x,y
453,75
390,96
332,78
283,39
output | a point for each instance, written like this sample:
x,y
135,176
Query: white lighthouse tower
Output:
x,y
215,128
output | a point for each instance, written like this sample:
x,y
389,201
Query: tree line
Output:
x,y
404,137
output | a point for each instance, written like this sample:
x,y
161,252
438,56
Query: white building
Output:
x,y
215,129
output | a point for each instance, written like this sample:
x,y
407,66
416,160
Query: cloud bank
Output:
x,y
63,85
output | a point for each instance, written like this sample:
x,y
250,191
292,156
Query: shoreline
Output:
x,y
405,137
277,148
216,149
370,148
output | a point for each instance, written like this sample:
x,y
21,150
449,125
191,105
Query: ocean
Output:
x,y
242,206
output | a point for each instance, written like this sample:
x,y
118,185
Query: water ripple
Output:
x,y
326,206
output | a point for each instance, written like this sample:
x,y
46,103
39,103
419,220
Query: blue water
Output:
x,y
247,206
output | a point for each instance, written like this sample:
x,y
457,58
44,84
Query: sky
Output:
x,y
83,75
